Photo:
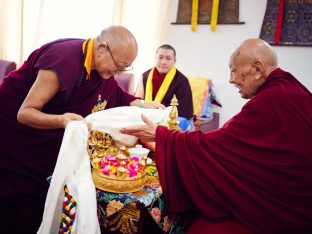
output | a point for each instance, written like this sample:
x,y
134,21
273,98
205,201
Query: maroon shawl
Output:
x,y
256,168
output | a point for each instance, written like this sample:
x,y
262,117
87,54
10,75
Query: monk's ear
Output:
x,y
101,47
259,68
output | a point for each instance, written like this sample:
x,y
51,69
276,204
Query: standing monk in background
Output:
x,y
60,82
254,174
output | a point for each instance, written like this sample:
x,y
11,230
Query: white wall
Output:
x,y
205,53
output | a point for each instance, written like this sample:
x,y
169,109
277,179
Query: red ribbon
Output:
x,y
279,22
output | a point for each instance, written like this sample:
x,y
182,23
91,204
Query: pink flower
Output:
x,y
110,158
109,166
106,170
135,158
133,174
103,164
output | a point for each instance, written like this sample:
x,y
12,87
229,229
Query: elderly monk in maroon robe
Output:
x,y
164,80
59,82
254,174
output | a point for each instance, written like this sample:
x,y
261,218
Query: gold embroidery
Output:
x,y
100,105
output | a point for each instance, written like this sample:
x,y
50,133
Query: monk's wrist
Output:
x,y
141,103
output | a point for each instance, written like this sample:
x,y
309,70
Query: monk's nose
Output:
x,y
231,80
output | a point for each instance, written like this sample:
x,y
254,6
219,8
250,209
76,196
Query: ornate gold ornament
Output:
x,y
117,184
100,105
100,146
173,122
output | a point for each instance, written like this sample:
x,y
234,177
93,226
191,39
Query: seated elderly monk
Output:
x,y
254,174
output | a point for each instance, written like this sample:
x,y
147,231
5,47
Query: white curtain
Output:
x,y
148,21
46,20
11,36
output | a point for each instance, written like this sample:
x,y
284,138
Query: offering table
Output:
x,y
137,212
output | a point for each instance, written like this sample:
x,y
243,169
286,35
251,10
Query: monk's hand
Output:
x,y
145,133
153,104
89,125
67,117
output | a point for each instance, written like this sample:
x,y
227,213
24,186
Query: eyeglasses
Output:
x,y
121,69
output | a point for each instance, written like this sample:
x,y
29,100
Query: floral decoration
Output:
x,y
156,214
109,166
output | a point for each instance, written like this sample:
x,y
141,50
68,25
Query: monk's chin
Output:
x,y
106,77
244,96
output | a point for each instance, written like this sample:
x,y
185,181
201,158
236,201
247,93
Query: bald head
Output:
x,y
121,41
114,51
250,65
255,49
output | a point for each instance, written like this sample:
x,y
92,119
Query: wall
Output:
x,y
204,53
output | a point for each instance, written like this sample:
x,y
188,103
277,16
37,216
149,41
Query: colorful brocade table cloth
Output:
x,y
126,212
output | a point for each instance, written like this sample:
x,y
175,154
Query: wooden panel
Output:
x,y
228,12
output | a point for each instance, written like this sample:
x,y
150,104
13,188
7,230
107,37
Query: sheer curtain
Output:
x,y
148,21
11,37
48,20
36,22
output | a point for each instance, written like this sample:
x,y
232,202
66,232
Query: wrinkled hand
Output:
x,y
67,117
145,133
153,104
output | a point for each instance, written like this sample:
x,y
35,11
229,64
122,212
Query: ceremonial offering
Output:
x,y
113,170
116,167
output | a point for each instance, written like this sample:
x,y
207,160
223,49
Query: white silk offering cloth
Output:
x,y
73,166
112,120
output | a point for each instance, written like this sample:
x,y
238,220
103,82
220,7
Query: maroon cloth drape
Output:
x,y
180,87
257,168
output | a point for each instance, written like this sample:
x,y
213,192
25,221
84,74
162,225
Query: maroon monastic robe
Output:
x,y
180,87
256,169
28,155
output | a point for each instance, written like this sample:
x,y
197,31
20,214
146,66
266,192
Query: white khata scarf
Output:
x,y
73,166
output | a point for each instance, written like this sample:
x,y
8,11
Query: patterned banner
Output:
x,y
293,27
